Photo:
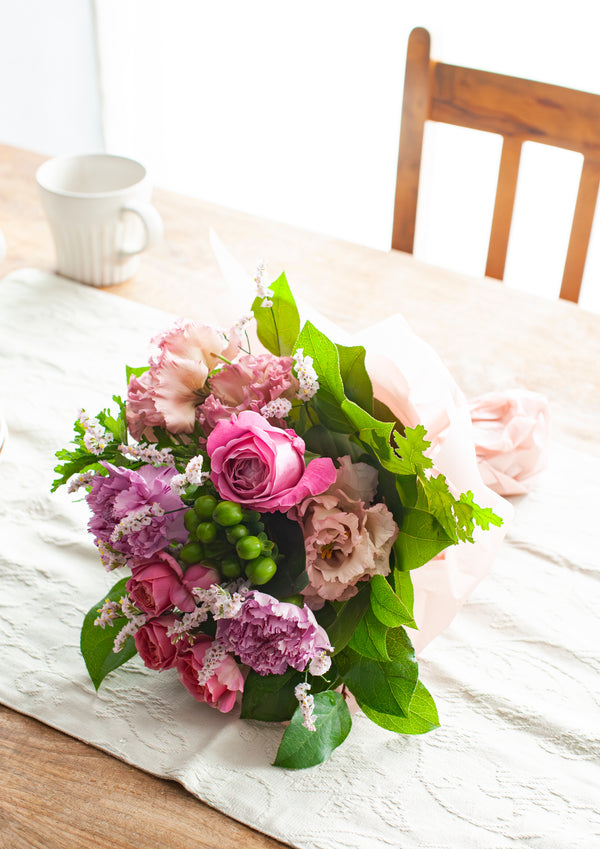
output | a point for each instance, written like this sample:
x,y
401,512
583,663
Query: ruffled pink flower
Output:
x,y
168,394
125,493
345,540
221,686
270,635
262,466
154,646
158,584
249,384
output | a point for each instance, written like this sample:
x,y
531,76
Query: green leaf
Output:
x,y
422,715
270,698
329,443
469,514
405,591
301,748
348,616
412,446
278,326
291,577
369,638
387,606
384,686
97,643
138,372
421,538
357,383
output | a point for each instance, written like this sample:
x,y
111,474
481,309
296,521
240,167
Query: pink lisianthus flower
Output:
x,y
261,466
270,635
158,584
346,541
136,512
213,681
249,384
154,646
167,395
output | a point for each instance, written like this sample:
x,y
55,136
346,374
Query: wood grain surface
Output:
x,y
59,793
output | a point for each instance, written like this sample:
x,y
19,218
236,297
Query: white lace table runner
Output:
x,y
516,677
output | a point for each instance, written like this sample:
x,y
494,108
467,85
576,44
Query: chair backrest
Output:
x,y
519,110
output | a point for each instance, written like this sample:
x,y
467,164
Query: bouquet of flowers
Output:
x,y
268,512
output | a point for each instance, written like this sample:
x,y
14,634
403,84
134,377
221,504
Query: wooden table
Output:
x,y
59,793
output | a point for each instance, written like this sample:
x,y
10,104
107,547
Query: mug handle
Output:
x,y
153,226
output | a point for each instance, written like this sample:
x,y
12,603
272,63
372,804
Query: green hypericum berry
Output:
x,y
204,506
206,531
190,520
298,600
227,514
261,570
231,567
235,533
192,552
248,548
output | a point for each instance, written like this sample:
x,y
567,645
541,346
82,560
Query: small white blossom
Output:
x,y
77,481
261,290
193,475
95,438
148,453
307,376
279,408
221,603
242,323
136,520
307,705
109,611
213,658
110,558
129,630
320,664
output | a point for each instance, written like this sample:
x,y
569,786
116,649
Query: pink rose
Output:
x,y
158,584
219,685
262,466
154,646
346,541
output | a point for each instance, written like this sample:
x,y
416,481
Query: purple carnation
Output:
x,y
132,510
270,635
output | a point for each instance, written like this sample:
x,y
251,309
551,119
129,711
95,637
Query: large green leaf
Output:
x,y
369,637
97,643
384,686
421,538
270,698
278,326
357,383
387,606
301,748
422,715
349,614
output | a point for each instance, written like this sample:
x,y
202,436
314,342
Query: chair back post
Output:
x,y
415,111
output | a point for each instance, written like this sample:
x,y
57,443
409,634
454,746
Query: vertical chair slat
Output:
x,y
580,230
503,207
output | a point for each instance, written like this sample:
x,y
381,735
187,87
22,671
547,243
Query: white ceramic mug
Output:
x,y
99,211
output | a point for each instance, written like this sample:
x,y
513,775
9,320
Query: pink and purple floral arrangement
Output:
x,y
267,512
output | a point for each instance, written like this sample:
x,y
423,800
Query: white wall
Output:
x,y
49,98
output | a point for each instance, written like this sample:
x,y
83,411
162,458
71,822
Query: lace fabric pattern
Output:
x,y
516,762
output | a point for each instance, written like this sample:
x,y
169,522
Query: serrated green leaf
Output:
x,y
412,447
301,748
369,637
278,326
138,371
387,606
97,643
422,715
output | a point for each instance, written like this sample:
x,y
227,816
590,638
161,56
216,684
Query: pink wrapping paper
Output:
x,y
511,432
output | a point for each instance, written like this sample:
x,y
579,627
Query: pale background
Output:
x,y
291,110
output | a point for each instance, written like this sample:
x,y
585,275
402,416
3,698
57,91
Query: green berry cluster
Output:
x,y
224,535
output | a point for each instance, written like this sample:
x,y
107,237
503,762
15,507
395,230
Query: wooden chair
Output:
x,y
519,110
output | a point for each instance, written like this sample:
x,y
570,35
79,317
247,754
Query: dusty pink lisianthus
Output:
x,y
116,499
220,686
262,466
154,646
248,384
346,541
167,395
270,635
158,584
